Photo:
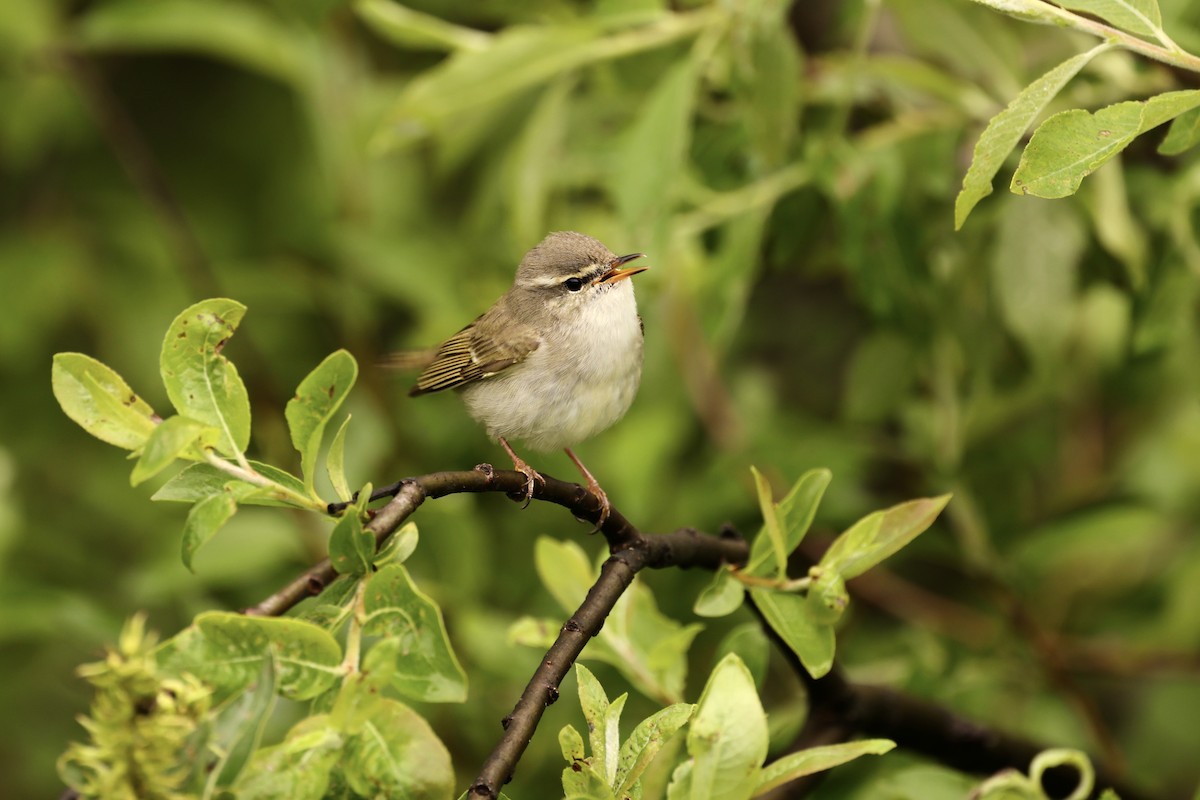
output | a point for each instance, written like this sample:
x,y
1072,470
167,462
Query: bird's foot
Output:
x,y
594,489
531,474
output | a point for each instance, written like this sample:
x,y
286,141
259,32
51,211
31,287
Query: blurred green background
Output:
x,y
366,175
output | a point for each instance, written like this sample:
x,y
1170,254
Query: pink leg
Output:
x,y
593,487
520,465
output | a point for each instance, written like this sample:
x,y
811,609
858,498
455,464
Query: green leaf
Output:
x,y
565,571
723,595
399,546
790,617
1005,130
335,463
516,58
351,548
204,520
1035,274
649,648
817,759
1073,144
535,159
298,768
414,30
317,399
1116,227
198,481
766,83
603,723
1183,134
771,527
201,383
571,743
795,514
170,440
415,654
879,535
652,153
727,738
750,642
396,754
646,742
1136,16
228,651
236,32
1027,10
239,727
100,402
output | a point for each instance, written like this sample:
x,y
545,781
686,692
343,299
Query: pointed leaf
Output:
x,y
170,440
727,738
335,463
1136,16
817,759
1005,130
772,529
653,151
565,571
646,742
240,33
317,399
879,535
204,520
516,58
1073,144
794,514
415,654
100,401
412,29
594,702
790,617
201,383
1183,134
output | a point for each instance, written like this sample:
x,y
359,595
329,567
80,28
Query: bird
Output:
x,y
556,360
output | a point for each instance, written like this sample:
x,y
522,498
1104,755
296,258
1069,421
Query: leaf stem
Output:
x,y
1169,53
779,584
244,472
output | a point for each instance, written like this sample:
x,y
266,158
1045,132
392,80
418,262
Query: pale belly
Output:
x,y
570,388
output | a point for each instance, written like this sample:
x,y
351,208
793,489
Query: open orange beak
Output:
x,y
615,273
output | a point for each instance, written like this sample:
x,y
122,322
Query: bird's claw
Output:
x,y
602,498
531,475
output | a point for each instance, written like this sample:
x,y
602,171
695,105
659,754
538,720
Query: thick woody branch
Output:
x,y
410,493
683,548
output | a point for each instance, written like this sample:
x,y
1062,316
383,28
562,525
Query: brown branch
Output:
x,y
682,548
840,709
410,493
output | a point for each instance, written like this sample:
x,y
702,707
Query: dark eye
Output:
x,y
573,284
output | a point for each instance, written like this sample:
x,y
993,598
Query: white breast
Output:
x,y
575,384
